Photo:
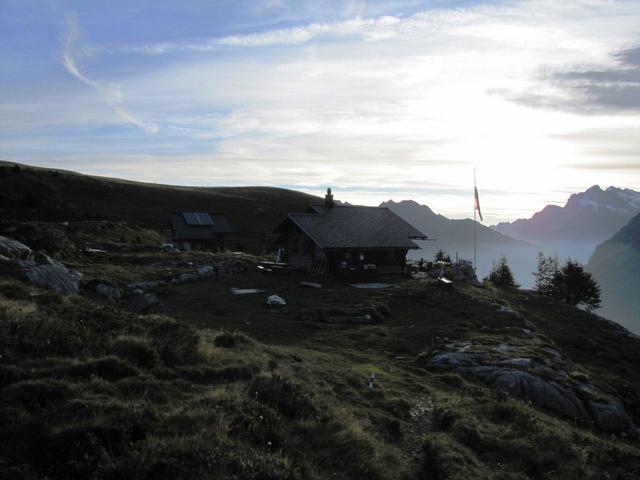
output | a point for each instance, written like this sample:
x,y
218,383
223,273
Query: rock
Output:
x,y
611,417
14,249
543,381
108,291
39,268
56,277
143,302
276,301
456,359
185,278
360,320
205,271
43,259
245,291
151,284
550,395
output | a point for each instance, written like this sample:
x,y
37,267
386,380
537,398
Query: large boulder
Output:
x,y
549,395
611,417
54,276
38,268
541,379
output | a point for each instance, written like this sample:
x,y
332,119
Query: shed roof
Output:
x,y
351,227
207,230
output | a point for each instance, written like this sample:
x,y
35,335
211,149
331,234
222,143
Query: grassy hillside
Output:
x,y
31,193
216,385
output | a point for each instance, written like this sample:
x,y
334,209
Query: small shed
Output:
x,y
199,230
347,240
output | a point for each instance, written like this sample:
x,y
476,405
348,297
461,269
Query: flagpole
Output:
x,y
475,225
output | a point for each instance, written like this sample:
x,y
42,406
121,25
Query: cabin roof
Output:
x,y
198,225
353,227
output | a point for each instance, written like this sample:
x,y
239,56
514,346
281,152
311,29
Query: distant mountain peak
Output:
x,y
591,216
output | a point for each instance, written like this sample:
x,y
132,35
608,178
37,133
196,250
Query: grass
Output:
x,y
215,385
40,194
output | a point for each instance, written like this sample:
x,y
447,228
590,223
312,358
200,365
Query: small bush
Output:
x,y
14,290
231,340
35,395
110,368
446,458
225,340
283,394
137,350
145,387
176,343
203,374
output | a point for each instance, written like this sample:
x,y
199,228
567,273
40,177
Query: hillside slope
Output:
x,y
31,193
616,266
210,384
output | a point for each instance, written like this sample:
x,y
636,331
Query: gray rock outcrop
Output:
x,y
40,269
52,276
13,249
542,379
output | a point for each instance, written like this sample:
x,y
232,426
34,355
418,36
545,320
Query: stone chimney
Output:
x,y
328,199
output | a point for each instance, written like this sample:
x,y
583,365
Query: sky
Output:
x,y
377,99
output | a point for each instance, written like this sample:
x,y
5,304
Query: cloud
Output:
x,y
612,89
111,93
382,106
369,29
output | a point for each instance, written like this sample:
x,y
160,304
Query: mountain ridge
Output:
x,y
592,215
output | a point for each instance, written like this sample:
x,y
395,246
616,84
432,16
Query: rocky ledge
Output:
x,y
38,268
539,373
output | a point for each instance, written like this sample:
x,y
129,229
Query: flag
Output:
x,y
476,202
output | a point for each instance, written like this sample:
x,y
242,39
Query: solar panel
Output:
x,y
197,219
205,219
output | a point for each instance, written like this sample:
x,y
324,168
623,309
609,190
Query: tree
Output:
x,y
574,286
548,267
501,275
442,256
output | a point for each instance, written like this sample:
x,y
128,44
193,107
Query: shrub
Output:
x,y
501,275
442,256
176,343
137,350
35,395
284,395
574,286
570,284
110,368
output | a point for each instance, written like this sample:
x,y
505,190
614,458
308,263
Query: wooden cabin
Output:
x,y
199,230
347,240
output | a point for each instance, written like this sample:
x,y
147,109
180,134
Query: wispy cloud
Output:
x,y
112,94
367,29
